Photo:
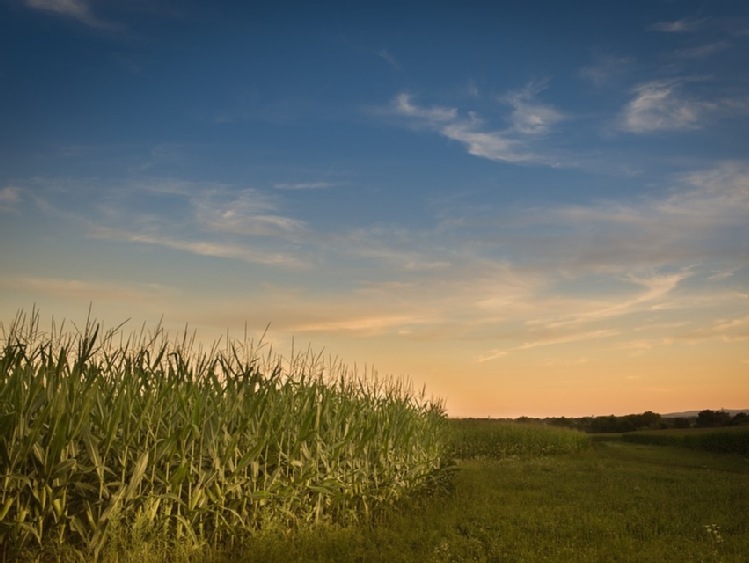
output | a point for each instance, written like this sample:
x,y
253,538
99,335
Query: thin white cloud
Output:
x,y
76,9
246,213
371,324
659,105
530,120
655,289
734,329
702,51
530,117
717,197
736,26
432,115
702,217
492,145
736,106
578,319
683,25
548,341
697,203
501,280
721,276
220,249
388,57
207,219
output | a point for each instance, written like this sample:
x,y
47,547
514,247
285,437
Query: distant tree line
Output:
x,y
648,420
707,419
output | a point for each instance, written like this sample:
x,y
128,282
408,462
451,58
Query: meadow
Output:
x,y
732,440
146,448
614,501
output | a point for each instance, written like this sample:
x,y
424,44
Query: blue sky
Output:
x,y
534,208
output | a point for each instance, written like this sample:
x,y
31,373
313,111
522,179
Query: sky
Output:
x,y
530,208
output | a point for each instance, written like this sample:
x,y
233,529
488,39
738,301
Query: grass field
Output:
x,y
615,501
733,440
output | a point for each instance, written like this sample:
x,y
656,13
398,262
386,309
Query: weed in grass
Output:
x,y
715,538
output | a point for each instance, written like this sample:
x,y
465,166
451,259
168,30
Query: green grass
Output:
x,y
612,502
732,440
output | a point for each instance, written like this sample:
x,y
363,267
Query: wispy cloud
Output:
x,y
735,26
364,325
654,289
244,212
77,9
660,105
216,249
733,329
493,145
549,340
208,219
698,220
388,57
702,51
432,115
682,226
683,25
529,118
503,280
723,275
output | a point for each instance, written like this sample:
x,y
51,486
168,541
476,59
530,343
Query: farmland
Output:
x,y
614,501
145,448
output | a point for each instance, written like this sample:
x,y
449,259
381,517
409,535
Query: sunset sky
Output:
x,y
532,208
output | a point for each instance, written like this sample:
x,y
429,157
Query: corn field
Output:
x,y
486,438
99,430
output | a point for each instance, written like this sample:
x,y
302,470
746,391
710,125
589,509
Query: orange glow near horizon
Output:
x,y
573,379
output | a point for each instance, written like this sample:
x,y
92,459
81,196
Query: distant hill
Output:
x,y
690,414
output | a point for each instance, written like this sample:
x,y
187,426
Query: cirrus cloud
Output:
x,y
660,105
76,9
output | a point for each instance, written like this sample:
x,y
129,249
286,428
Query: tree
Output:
x,y
708,418
740,418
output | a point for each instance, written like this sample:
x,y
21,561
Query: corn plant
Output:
x,y
99,430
